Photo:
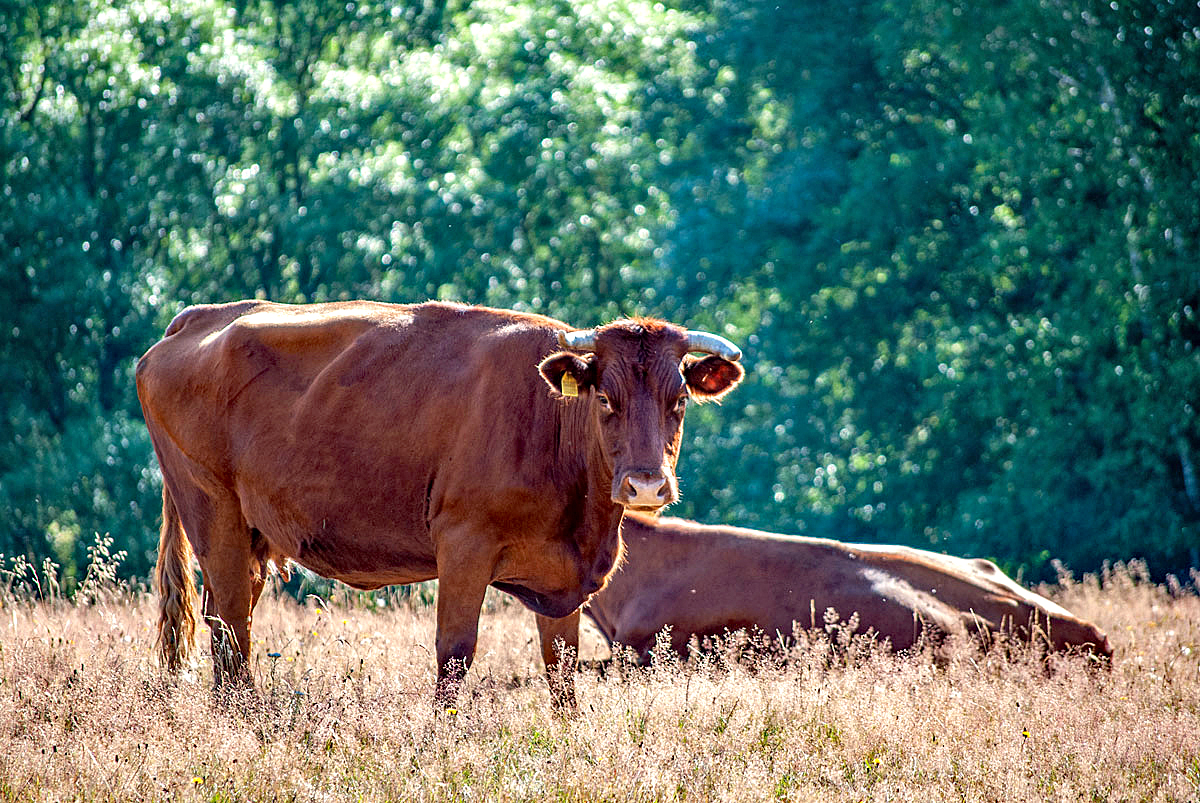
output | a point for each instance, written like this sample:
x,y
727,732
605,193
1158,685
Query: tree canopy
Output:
x,y
956,243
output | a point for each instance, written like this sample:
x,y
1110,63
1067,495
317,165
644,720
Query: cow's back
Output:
x,y
222,371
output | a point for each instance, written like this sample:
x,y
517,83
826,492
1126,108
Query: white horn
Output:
x,y
581,340
713,344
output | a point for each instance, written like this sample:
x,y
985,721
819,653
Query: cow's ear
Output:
x,y
711,377
569,374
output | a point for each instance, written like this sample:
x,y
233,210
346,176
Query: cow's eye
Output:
x,y
605,404
681,404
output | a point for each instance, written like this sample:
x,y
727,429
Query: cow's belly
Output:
x,y
371,564
344,538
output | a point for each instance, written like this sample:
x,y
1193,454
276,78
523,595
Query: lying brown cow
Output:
x,y
702,580
380,444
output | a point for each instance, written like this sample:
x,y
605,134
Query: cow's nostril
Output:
x,y
647,489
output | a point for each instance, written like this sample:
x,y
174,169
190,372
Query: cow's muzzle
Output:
x,y
644,490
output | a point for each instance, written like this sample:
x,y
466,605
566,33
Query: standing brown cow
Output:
x,y
703,580
378,444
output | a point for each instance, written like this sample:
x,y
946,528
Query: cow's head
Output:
x,y
637,378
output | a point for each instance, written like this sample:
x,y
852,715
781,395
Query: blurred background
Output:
x,y
958,242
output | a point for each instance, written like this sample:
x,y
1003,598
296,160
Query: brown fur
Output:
x,y
380,444
704,580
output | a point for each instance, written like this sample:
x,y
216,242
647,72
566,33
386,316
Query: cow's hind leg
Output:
x,y
233,579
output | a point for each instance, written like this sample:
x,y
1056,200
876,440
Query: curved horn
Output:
x,y
581,340
713,344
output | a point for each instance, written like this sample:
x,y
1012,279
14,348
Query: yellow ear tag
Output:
x,y
569,386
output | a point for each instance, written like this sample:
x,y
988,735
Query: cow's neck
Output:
x,y
597,525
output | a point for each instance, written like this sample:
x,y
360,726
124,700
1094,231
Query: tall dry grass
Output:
x,y
343,712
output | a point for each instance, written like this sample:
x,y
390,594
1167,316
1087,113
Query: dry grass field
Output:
x,y
343,712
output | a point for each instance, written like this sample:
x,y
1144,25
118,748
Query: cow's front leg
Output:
x,y
463,577
560,649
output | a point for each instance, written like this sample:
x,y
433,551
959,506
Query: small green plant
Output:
x,y
724,717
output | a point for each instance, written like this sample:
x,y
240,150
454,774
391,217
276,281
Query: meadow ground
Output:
x,y
343,712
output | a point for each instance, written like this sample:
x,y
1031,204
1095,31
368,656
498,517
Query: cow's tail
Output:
x,y
176,590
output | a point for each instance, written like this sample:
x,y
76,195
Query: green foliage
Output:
x,y
984,338
955,242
